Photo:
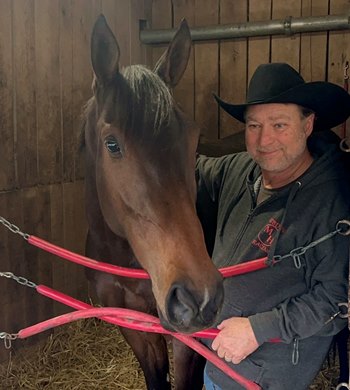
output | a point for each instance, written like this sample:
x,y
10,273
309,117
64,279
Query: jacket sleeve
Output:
x,y
209,175
210,172
311,313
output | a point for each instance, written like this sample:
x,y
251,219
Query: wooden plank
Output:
x,y
148,23
37,263
338,53
7,158
109,10
233,65
75,227
5,354
286,49
59,277
68,131
16,263
206,56
161,18
5,264
313,46
258,47
184,91
84,15
48,90
137,14
25,109
7,286
118,13
122,30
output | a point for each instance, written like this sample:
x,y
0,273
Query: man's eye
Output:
x,y
113,147
253,126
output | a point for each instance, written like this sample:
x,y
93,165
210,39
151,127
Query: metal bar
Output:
x,y
287,26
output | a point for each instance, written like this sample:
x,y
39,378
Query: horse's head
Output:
x,y
143,152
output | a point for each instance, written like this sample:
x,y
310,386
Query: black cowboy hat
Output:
x,y
280,83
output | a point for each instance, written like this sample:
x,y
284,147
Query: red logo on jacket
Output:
x,y
267,235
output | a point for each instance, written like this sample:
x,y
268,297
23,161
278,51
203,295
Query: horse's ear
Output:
x,y
173,62
104,51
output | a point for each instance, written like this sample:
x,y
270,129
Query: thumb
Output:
x,y
221,325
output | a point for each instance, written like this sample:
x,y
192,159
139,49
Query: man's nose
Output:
x,y
266,136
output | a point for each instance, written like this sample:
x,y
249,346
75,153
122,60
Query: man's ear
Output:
x,y
309,124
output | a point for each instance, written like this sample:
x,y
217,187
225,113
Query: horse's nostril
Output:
x,y
211,308
181,307
187,311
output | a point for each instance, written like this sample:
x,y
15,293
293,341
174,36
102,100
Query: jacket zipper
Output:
x,y
238,239
295,353
252,211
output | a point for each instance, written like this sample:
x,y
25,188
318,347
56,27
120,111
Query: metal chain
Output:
x,y
19,279
344,146
345,231
14,229
296,253
8,338
341,385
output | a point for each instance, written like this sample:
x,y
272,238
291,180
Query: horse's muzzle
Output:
x,y
189,311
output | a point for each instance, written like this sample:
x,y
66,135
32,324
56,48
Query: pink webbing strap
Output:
x,y
86,261
146,322
244,268
234,270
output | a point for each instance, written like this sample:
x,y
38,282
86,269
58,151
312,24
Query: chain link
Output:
x,y
342,385
13,228
296,253
343,227
344,145
8,338
19,279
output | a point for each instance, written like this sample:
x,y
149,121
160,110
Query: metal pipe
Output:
x,y
287,26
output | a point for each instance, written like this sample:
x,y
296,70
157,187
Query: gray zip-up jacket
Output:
x,y
294,300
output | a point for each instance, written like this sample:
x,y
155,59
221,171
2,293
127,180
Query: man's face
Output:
x,y
276,135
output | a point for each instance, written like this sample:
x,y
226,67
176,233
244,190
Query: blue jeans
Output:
x,y
209,384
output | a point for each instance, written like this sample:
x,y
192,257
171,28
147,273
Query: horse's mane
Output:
x,y
151,98
143,101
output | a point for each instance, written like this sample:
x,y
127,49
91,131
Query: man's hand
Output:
x,y
236,340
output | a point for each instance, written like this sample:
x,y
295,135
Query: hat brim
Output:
x,y
330,102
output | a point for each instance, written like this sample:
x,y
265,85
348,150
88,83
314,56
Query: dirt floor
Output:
x,y
90,355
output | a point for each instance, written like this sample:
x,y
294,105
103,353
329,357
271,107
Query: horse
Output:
x,y
140,194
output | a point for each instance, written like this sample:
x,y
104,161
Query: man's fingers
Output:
x,y
221,353
228,358
237,360
215,345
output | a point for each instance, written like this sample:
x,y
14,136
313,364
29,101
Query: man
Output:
x,y
280,199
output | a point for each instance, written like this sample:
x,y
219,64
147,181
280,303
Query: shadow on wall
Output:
x,y
231,144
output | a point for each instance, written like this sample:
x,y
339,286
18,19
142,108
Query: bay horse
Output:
x,y
140,204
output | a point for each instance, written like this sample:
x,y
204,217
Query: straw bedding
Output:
x,y
90,354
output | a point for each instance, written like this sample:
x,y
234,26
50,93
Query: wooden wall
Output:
x,y
226,66
45,78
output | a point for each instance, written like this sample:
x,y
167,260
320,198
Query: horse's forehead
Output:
x,y
139,102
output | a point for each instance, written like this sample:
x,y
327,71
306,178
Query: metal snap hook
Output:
x,y
343,313
343,384
343,230
346,67
344,146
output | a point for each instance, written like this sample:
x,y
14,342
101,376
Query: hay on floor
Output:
x,y
91,354
87,354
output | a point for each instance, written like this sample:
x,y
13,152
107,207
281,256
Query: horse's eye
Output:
x,y
113,147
